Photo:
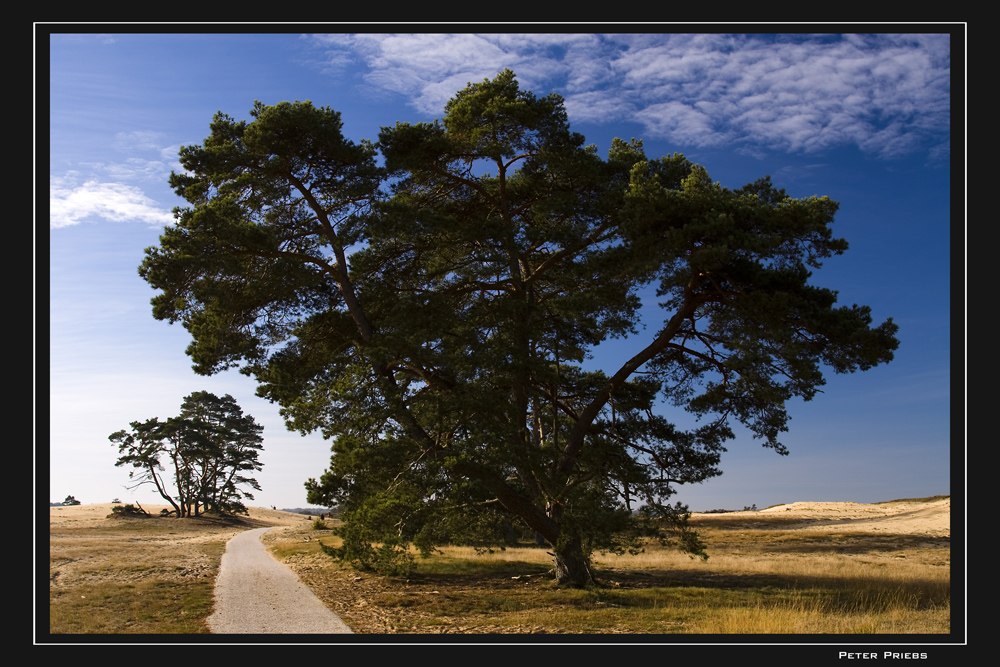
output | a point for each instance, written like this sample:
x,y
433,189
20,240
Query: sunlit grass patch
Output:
x,y
147,575
799,583
845,612
143,607
468,560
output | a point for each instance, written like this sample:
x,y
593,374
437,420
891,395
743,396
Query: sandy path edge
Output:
x,y
255,594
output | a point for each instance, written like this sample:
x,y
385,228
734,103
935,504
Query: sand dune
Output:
x,y
897,517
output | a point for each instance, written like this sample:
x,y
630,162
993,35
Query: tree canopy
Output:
x,y
211,448
430,313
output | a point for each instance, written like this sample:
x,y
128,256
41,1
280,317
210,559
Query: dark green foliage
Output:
x,y
431,316
370,550
128,510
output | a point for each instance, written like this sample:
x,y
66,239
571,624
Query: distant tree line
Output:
x,y
746,508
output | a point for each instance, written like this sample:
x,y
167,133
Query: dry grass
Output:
x,y
783,571
766,575
137,575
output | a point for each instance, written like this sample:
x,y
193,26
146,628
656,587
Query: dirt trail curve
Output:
x,y
255,594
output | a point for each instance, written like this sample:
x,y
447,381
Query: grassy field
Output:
x,y
766,574
138,575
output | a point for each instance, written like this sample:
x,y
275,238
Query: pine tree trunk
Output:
x,y
572,567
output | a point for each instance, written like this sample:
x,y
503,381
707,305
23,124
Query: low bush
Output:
x,y
129,510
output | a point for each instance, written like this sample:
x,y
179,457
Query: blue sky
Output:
x,y
864,119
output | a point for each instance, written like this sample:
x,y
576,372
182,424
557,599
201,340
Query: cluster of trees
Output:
x,y
426,301
209,451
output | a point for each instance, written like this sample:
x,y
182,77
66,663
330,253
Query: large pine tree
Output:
x,y
431,316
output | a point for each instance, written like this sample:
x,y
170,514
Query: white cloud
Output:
x,y
429,68
680,122
888,94
71,204
597,107
134,169
137,141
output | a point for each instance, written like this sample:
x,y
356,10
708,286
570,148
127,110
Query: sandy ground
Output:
x,y
84,515
83,542
922,516
933,519
904,518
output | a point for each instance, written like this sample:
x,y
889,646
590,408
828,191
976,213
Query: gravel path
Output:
x,y
255,594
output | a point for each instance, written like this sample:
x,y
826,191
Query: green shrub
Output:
x,y
389,558
127,510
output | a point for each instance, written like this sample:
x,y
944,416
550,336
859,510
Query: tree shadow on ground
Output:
x,y
830,543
